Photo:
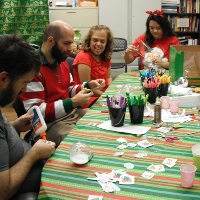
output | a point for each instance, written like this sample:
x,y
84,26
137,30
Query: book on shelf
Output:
x,y
170,5
169,10
184,37
194,23
189,41
171,1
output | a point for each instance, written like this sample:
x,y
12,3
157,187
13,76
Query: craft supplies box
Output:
x,y
185,58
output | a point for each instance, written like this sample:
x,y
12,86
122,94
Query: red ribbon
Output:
x,y
157,13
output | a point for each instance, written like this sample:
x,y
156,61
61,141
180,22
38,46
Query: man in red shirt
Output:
x,y
53,90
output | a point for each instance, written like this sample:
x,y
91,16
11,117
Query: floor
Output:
x,y
11,115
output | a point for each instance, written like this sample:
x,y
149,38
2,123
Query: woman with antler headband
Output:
x,y
157,40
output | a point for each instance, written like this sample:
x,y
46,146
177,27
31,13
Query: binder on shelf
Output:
x,y
171,1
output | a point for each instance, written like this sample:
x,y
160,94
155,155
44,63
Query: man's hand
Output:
x,y
81,98
97,82
23,124
43,149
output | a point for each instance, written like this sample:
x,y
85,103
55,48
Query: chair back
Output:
x,y
70,61
120,44
35,46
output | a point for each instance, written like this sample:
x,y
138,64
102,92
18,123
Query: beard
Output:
x,y
7,96
57,54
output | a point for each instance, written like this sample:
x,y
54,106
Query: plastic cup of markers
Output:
x,y
196,155
174,105
153,93
136,113
117,116
163,89
187,175
165,102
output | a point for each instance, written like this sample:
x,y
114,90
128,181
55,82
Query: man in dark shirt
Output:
x,y
20,164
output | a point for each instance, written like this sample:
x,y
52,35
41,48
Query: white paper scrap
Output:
x,y
127,128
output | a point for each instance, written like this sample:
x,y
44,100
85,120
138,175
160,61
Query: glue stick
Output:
x,y
38,123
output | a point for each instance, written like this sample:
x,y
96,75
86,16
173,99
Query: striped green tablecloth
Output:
x,y
61,179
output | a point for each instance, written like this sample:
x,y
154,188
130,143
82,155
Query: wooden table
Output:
x,y
61,179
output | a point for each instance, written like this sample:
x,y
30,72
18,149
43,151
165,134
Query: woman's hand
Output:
x,y
131,49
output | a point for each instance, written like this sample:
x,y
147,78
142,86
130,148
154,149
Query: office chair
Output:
x,y
35,46
120,45
70,61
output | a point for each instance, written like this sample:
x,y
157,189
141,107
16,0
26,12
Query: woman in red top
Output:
x,y
93,61
159,35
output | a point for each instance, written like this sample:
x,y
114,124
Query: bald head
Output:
x,y
57,30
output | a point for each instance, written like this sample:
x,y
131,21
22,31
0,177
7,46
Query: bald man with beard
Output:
x,y
53,90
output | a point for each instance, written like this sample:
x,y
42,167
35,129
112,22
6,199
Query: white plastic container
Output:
x,y
38,123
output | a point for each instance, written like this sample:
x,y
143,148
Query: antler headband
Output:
x,y
157,13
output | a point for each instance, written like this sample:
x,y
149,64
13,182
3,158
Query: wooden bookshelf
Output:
x,y
185,20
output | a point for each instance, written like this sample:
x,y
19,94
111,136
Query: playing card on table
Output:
x,y
121,140
153,168
148,175
131,144
160,168
145,143
122,146
140,155
95,197
169,162
129,165
126,179
109,186
118,153
115,174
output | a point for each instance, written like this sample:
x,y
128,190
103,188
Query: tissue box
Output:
x,y
184,58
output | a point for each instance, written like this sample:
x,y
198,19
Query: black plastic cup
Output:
x,y
163,89
136,114
117,116
153,94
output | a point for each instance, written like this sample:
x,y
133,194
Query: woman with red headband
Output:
x,y
157,40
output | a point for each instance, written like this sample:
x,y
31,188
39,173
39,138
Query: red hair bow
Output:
x,y
150,13
157,13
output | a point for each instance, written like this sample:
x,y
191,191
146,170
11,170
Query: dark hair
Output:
x,y
17,57
164,24
106,55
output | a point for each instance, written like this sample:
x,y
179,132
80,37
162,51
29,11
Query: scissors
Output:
x,y
171,138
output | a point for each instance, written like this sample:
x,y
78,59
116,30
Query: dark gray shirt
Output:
x,y
12,149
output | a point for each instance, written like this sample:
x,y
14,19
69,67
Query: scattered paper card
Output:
x,y
118,153
156,168
126,179
140,155
129,165
148,175
132,144
169,162
95,197
121,140
145,143
122,146
127,128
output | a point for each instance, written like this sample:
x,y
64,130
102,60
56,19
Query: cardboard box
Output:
x,y
185,58
87,3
